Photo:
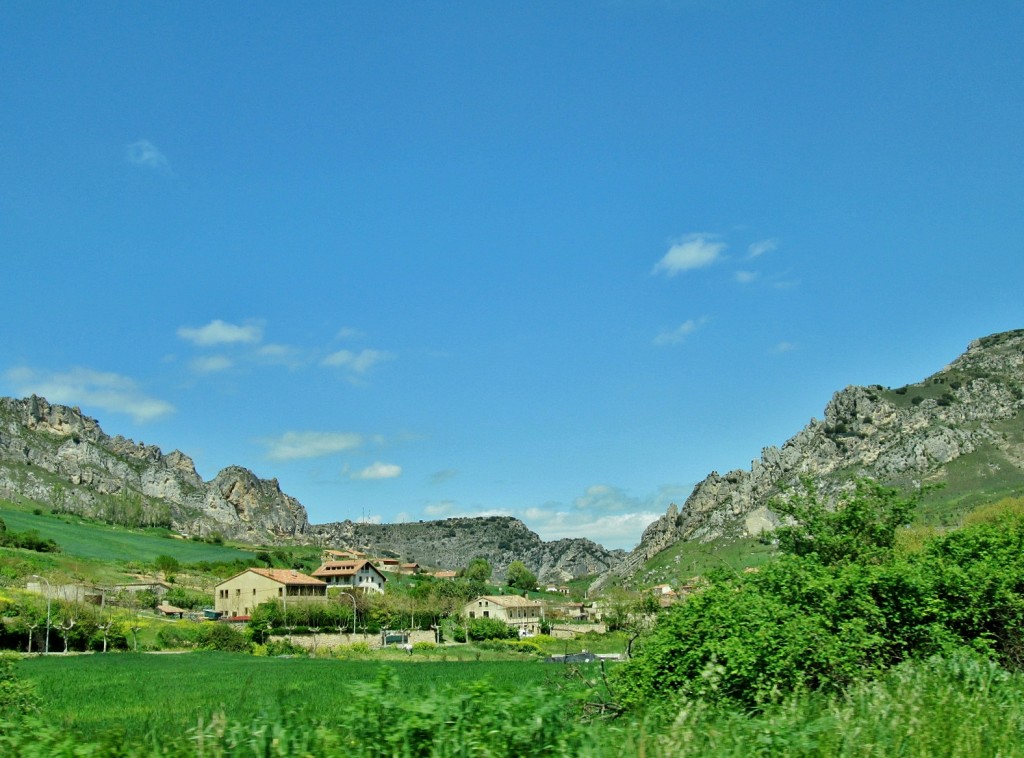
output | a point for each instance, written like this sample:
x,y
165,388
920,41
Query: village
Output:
x,y
346,600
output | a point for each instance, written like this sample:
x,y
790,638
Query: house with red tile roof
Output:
x,y
526,615
361,575
238,596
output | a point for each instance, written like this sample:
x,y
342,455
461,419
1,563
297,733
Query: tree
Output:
x,y
520,577
860,528
167,564
478,570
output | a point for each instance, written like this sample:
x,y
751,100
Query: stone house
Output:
x,y
360,575
526,615
240,594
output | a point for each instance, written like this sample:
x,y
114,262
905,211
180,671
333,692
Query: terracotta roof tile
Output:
x,y
287,576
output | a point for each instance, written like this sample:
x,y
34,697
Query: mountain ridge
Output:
x,y
54,454
968,413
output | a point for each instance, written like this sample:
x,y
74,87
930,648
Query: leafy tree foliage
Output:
x,y
478,570
167,564
838,608
861,527
188,599
520,577
486,629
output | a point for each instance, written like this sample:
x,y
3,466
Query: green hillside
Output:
x,y
78,538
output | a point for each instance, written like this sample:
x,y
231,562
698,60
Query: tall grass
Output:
x,y
961,707
169,693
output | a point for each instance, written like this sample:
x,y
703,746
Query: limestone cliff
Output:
x,y
55,455
969,413
453,542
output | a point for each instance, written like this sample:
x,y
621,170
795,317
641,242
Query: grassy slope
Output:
x,y
82,539
687,559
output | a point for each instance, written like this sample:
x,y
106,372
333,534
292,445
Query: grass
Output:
x,y
689,558
82,539
224,705
92,694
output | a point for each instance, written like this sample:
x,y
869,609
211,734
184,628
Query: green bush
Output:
x,y
188,599
215,635
838,610
182,635
485,629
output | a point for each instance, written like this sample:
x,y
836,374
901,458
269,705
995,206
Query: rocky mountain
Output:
x,y
55,455
965,421
452,542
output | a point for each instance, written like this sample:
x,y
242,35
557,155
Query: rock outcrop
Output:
x,y
453,542
55,455
970,413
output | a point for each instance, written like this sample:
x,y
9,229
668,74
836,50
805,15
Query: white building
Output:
x,y
526,615
360,575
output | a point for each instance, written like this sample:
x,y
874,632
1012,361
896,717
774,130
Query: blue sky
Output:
x,y
554,260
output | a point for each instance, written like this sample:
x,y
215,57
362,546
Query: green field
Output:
x,y
91,694
93,541
226,705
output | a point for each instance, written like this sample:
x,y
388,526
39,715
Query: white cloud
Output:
x,y
211,364
348,332
219,332
443,509
443,476
679,333
690,252
602,497
275,351
358,363
762,247
292,446
85,387
281,355
603,513
612,530
745,277
379,470
144,153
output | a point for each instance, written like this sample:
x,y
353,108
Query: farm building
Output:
x,y
342,555
526,615
157,588
69,593
356,574
241,593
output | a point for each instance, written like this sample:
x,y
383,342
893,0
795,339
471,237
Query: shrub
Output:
x,y
18,698
184,634
219,636
284,647
489,629
839,609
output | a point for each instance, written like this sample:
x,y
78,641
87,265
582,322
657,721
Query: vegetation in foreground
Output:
x,y
849,643
965,706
